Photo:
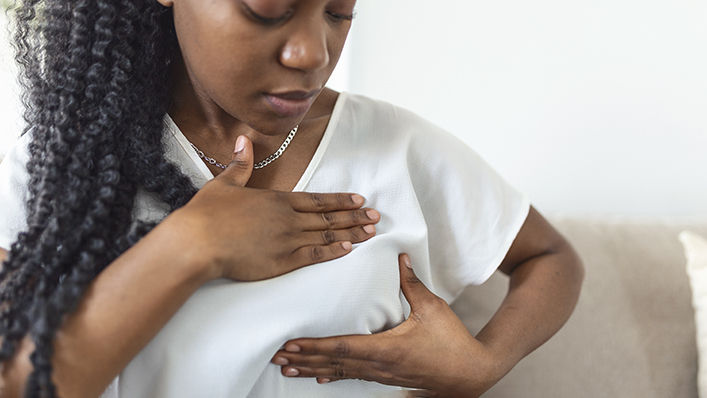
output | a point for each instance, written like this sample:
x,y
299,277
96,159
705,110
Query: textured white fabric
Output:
x,y
696,253
439,201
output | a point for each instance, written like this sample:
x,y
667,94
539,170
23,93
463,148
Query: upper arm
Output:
x,y
3,255
535,238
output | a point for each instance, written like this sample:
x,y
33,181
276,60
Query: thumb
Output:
x,y
241,167
414,290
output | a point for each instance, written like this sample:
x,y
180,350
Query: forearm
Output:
x,y
120,312
542,294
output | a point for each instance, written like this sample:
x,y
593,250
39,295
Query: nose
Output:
x,y
306,49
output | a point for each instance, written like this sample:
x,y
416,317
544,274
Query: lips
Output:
x,y
291,103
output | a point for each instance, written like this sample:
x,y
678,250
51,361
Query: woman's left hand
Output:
x,y
431,350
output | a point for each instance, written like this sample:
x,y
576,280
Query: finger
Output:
x,y
284,358
421,394
338,372
353,235
414,290
308,255
293,359
324,380
350,369
338,219
358,346
324,202
241,167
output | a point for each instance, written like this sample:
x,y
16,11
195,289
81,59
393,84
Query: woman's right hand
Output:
x,y
250,234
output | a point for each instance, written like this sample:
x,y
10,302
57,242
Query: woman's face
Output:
x,y
238,53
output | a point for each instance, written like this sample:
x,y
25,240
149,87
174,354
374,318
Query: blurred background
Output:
x,y
593,108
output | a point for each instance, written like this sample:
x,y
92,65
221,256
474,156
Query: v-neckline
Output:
x,y
308,172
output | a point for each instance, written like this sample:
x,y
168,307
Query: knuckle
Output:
x,y
328,237
339,371
439,302
358,234
317,201
434,304
241,164
329,219
316,254
342,349
357,216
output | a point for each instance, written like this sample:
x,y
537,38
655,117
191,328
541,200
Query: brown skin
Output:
x,y
229,60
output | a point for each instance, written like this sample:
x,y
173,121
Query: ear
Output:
x,y
166,3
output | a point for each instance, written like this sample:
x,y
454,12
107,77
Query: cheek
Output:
x,y
219,47
335,44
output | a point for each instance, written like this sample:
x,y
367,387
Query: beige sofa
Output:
x,y
632,333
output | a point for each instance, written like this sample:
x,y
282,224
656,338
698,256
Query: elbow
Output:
x,y
573,266
576,264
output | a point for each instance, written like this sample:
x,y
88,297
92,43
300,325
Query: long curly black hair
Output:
x,y
94,76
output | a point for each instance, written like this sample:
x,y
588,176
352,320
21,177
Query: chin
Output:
x,y
275,127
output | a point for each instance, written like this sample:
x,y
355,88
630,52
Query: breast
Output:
x,y
219,343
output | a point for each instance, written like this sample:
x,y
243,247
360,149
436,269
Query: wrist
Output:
x,y
484,370
177,230
500,358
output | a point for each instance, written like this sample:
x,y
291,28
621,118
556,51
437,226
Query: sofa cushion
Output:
x,y
632,333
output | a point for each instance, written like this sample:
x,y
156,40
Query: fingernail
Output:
x,y
292,348
369,229
372,214
346,245
358,199
240,143
324,381
291,372
406,261
281,361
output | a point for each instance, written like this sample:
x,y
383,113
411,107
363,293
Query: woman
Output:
x,y
140,259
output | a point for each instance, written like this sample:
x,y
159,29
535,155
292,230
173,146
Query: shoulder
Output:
x,y
380,120
381,111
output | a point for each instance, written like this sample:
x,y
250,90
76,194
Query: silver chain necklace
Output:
x,y
258,165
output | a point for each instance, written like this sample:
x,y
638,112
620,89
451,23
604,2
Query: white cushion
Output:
x,y
696,254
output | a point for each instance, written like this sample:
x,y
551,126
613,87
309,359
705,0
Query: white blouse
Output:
x,y
439,201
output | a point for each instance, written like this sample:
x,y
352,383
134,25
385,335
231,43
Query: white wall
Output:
x,y
10,109
591,107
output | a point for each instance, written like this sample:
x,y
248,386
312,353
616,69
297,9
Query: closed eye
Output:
x,y
342,17
265,20
274,21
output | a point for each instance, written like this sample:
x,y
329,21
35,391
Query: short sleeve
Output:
x,y
472,213
14,191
